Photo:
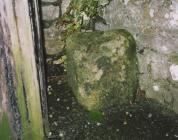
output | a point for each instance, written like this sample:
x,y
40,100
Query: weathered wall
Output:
x,y
52,10
155,27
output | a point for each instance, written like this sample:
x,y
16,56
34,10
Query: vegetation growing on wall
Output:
x,y
82,14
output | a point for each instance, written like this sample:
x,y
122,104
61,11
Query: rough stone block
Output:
x,y
53,40
65,4
102,68
50,12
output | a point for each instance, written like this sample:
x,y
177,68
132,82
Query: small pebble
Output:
x,y
61,134
49,93
125,123
50,133
150,115
49,88
55,123
98,124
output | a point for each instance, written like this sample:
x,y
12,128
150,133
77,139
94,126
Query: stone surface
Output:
x,y
53,46
65,4
174,72
154,25
53,42
50,12
102,68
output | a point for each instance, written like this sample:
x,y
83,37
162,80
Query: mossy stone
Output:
x,y
173,58
102,68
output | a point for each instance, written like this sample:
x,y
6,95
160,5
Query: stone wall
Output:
x,y
52,10
154,25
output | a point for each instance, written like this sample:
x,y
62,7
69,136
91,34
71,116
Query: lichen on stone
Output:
x,y
173,58
102,68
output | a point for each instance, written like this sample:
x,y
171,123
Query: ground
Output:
x,y
146,120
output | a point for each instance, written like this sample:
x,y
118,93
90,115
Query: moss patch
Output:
x,y
96,116
102,67
174,58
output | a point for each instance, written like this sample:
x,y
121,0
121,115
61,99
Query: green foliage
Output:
x,y
96,116
81,14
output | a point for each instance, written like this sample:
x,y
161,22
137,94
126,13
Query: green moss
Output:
x,y
5,130
96,38
96,116
149,68
174,58
107,62
99,37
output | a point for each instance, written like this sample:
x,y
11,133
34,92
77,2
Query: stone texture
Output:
x,y
102,68
65,4
53,45
53,41
154,25
50,12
